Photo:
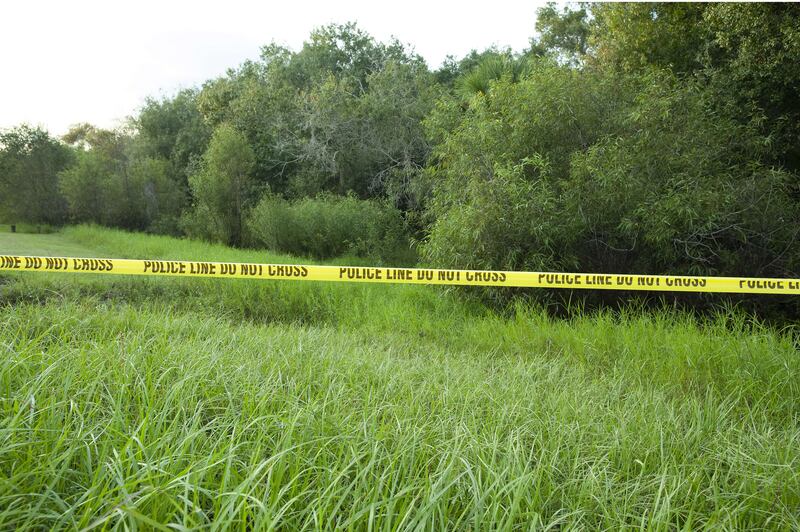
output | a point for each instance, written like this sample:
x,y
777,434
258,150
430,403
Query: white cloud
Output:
x,y
92,61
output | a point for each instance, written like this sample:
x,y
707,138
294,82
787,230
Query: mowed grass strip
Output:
x,y
51,244
152,403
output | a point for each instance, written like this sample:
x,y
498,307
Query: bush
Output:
x,y
329,226
511,222
683,192
222,187
113,182
501,165
661,184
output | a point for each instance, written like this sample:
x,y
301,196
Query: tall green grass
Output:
x,y
174,404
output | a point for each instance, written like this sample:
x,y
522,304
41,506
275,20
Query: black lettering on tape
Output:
x,y
92,265
166,267
559,279
485,277
764,284
10,263
418,275
202,268
287,272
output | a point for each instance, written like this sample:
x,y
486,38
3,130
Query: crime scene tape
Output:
x,y
362,274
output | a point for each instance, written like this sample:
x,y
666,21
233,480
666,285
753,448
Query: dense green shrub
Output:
x,y
329,226
534,176
222,187
139,195
683,191
500,167
114,183
512,221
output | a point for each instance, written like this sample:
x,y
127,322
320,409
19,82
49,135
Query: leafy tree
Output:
x,y
399,99
267,111
91,189
500,166
30,160
492,68
96,187
156,198
632,36
564,33
452,69
746,54
341,115
222,187
330,152
113,184
552,111
681,190
173,129
344,51
752,65
590,170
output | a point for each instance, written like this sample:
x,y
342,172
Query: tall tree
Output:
x,y
632,36
30,160
223,186
564,33
752,65
115,182
173,129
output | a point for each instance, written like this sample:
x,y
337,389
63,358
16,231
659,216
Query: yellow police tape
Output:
x,y
361,274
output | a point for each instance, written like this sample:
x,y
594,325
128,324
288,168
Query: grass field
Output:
x,y
156,403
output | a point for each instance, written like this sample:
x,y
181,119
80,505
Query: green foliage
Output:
x,y
550,113
682,191
344,51
222,188
373,144
564,33
399,99
631,36
158,198
705,178
329,226
501,167
113,184
91,189
490,69
747,55
30,160
537,176
751,64
173,129
259,100
452,69
341,115
512,221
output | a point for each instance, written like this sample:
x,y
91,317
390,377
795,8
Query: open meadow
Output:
x,y
157,403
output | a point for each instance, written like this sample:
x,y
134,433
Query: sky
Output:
x,y
96,61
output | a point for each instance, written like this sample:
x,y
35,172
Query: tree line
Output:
x,y
646,138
